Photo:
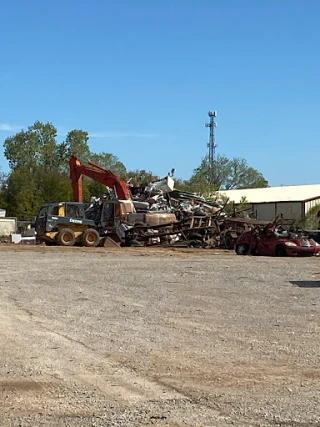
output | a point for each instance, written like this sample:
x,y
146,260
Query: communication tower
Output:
x,y
212,143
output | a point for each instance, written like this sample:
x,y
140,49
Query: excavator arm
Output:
x,y
98,174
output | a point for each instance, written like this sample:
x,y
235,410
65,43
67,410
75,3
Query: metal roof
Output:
x,y
292,193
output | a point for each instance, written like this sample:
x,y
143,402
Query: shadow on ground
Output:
x,y
306,283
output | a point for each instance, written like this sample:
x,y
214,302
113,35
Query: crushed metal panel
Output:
x,y
166,185
158,218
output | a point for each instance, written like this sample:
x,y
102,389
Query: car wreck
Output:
x,y
278,238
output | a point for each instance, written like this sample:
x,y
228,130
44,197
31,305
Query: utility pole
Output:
x,y
212,143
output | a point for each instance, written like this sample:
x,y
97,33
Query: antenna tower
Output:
x,y
212,143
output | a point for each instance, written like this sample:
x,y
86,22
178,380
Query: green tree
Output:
x,y
40,168
3,179
3,190
141,177
110,162
37,146
23,199
27,190
3,198
52,186
181,184
76,142
46,135
226,174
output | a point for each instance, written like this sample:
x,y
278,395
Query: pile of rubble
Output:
x,y
161,195
192,220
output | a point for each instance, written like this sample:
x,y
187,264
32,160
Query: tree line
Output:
x,y
39,171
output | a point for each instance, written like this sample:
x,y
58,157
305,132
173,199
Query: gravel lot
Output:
x,y
162,338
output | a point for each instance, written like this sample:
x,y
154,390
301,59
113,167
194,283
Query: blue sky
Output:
x,y
141,75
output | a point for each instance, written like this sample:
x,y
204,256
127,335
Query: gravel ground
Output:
x,y
158,338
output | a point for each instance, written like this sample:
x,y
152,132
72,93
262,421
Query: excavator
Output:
x,y
121,208
70,223
98,174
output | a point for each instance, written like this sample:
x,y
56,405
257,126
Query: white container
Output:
x,y
15,238
8,226
166,185
2,213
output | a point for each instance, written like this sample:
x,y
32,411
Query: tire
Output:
x,y
229,242
90,238
242,249
281,251
66,237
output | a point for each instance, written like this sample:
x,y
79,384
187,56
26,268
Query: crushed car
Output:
x,y
276,240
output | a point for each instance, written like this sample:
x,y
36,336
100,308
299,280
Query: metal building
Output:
x,y
292,201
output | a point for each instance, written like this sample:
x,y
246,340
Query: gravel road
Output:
x,y
158,338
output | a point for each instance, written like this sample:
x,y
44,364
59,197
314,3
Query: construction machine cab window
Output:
x,y
43,211
55,210
108,212
71,210
75,211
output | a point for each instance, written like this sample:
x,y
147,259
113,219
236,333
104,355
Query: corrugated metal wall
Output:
x,y
311,204
312,220
264,211
292,210
268,211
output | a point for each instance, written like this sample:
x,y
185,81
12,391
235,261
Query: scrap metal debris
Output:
x,y
192,221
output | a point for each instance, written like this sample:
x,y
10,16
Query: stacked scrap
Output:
x,y
197,222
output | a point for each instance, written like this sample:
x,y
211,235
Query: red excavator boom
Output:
x,y
97,173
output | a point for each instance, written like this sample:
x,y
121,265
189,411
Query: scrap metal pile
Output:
x,y
195,224
194,221
203,227
145,215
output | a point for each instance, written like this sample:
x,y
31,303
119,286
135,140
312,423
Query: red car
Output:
x,y
275,242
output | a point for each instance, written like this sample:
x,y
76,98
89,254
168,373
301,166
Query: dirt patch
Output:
x,y
166,338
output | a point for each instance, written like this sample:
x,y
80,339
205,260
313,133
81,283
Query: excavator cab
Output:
x,y
115,211
109,212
